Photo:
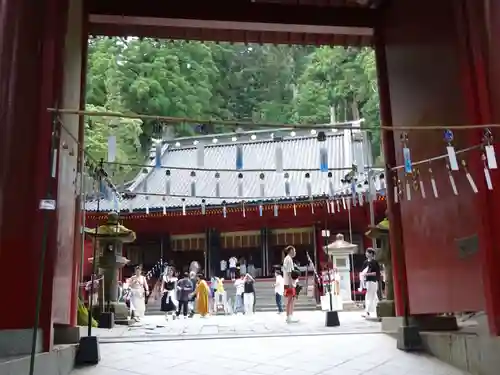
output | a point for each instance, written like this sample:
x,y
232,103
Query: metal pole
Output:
x,y
94,252
82,211
351,257
371,198
48,204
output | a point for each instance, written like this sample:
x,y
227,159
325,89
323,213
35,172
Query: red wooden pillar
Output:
x,y
473,21
31,42
396,232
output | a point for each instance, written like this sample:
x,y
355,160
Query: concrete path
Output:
x,y
370,354
259,324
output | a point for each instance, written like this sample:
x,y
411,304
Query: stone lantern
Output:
x,y
110,238
340,252
385,308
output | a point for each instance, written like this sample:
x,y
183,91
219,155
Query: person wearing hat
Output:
x,y
372,278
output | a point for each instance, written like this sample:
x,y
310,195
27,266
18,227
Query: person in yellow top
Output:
x,y
202,291
220,296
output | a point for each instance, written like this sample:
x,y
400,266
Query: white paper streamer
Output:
x,y
183,207
490,157
243,210
422,188
471,182
332,207
452,183
452,156
488,178
408,191
164,206
434,187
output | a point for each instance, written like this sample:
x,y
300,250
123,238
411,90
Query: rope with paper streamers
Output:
x,y
412,178
253,125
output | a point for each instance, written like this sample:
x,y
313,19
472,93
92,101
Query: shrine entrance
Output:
x,y
436,65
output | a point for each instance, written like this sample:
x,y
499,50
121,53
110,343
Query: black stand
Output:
x,y
332,319
88,351
107,320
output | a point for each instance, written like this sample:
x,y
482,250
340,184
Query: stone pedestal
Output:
x,y
340,252
111,237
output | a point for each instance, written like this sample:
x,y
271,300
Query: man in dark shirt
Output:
x,y
372,278
184,290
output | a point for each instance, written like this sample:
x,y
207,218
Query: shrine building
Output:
x,y
183,212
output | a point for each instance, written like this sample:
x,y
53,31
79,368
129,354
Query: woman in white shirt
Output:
x,y
279,290
232,267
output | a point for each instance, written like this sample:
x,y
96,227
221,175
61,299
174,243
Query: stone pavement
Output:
x,y
370,354
259,324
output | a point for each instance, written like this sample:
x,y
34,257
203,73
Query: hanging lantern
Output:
x,y
330,184
287,184
262,185
217,184
203,207
193,183
224,209
323,152
167,182
240,184
308,184
183,206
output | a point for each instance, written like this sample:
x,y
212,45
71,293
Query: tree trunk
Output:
x,y
333,114
355,110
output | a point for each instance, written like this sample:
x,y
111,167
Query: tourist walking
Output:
x,y
138,290
239,285
249,295
279,290
223,268
371,271
169,294
184,290
290,278
201,292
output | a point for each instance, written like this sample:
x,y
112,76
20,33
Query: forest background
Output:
x,y
221,81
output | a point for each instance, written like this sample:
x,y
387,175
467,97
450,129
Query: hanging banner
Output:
x,y
239,157
111,149
279,157
200,154
323,152
158,154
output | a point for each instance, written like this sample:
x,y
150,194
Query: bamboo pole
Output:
x,y
249,124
